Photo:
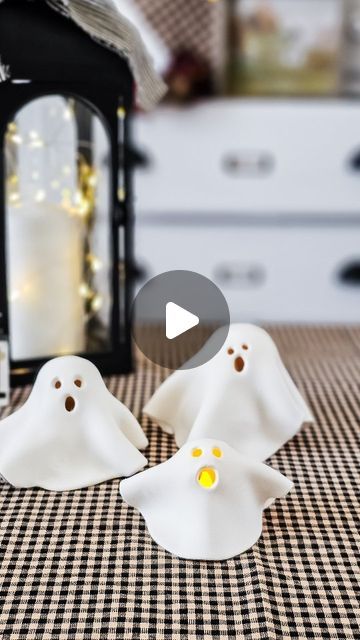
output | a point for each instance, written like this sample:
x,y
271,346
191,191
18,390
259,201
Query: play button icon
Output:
x,y
178,320
174,314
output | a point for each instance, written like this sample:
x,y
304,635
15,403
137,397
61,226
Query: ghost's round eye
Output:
x,y
78,382
217,452
196,453
230,351
245,347
57,384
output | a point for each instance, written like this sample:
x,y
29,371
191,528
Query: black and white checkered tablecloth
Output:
x,y
81,565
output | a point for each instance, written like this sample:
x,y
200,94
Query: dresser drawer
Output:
x,y
288,273
246,157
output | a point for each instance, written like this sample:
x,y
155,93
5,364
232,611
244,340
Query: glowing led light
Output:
x,y
196,453
217,452
68,114
121,194
121,113
85,291
93,180
40,195
14,198
207,477
13,180
16,138
35,140
96,303
94,262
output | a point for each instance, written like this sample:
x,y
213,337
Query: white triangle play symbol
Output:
x,y
178,320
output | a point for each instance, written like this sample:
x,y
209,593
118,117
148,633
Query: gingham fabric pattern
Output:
x,y
81,565
195,25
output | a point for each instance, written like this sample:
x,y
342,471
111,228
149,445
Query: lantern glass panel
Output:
x,y
58,230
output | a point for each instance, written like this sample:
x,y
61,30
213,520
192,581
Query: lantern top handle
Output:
x,y
74,40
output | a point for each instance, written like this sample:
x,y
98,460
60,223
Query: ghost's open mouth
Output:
x,y
70,403
207,477
239,364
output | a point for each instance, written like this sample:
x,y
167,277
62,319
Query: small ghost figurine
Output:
x,y
206,502
71,432
244,395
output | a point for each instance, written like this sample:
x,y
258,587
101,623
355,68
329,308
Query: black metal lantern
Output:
x,y
65,192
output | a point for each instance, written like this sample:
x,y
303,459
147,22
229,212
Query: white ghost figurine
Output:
x,y
206,502
71,432
244,395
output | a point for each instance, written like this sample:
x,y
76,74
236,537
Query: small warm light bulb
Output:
x,y
14,198
40,195
121,113
196,453
94,262
68,114
217,452
85,291
35,141
96,303
121,194
16,138
13,180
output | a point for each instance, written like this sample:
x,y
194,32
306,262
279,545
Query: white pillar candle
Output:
x,y
44,274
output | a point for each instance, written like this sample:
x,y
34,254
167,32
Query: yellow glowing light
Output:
x,y
68,114
40,195
96,303
121,113
35,140
207,477
196,453
13,180
93,180
94,262
121,194
14,198
16,138
85,291
217,452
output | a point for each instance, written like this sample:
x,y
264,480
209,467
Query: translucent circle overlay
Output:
x,y
198,295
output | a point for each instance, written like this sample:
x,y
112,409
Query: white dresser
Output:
x,y
263,197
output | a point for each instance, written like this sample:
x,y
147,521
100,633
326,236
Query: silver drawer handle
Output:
x,y
240,275
248,163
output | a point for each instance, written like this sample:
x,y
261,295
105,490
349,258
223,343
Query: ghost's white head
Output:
x,y
246,348
67,384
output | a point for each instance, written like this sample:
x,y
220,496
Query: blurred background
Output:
x,y
249,172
